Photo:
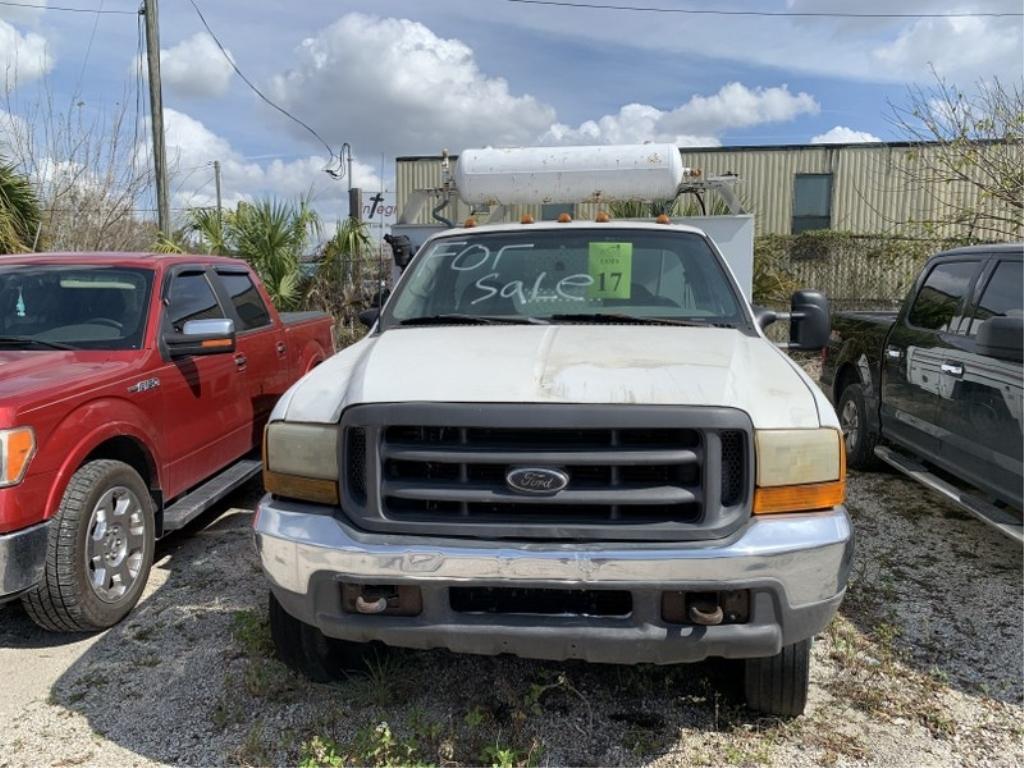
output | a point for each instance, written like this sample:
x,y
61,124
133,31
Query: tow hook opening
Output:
x,y
381,599
706,609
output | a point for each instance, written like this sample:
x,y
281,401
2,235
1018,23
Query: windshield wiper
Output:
x,y
28,341
615,317
456,317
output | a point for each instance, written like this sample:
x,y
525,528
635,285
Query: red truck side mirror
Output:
x,y
202,337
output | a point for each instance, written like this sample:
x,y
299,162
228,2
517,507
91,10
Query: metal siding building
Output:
x,y
868,191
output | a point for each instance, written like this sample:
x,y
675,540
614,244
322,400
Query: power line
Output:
x,y
253,88
805,14
88,48
67,8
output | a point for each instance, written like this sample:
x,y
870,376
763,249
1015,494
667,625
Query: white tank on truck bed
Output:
x,y
559,174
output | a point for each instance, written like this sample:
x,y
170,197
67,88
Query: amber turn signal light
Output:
x,y
564,218
17,447
305,488
663,219
469,223
526,219
602,217
799,498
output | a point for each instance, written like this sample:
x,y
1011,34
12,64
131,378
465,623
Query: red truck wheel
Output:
x,y
99,552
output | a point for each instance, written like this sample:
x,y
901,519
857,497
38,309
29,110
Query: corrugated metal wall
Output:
x,y
870,194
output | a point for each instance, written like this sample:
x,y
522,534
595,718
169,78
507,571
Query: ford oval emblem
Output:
x,y
536,479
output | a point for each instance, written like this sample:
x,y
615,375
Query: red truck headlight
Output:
x,y
17,447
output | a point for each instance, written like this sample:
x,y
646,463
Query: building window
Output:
x,y
812,201
551,211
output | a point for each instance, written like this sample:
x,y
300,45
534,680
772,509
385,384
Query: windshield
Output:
x,y
75,306
566,275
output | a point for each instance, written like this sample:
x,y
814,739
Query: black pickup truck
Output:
x,y
936,389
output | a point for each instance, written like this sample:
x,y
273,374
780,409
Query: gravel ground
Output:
x,y
923,666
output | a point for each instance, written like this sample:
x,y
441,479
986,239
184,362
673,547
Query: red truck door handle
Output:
x,y
282,349
241,361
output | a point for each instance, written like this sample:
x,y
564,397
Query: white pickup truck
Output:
x,y
562,440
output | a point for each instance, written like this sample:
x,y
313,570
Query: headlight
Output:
x,y
799,469
17,447
300,461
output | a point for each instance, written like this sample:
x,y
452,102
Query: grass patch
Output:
x,y
251,631
873,679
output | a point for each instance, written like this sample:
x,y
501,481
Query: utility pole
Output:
x,y
156,110
216,181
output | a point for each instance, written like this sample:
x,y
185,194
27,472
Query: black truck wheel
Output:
x,y
777,685
99,552
853,419
309,651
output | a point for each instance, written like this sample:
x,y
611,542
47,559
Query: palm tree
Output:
x,y
20,211
271,235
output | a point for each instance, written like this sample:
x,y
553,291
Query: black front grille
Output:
x,y
614,474
635,472
355,445
733,467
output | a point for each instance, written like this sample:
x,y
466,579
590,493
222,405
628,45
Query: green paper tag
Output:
x,y
610,265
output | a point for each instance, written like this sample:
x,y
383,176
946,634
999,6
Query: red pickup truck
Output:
x,y
133,392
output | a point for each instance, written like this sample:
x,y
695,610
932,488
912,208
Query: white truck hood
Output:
x,y
610,364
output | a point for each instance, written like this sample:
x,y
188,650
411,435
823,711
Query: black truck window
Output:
x,y
939,302
1004,294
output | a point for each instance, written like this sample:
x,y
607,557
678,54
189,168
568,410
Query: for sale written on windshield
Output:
x,y
547,273
608,273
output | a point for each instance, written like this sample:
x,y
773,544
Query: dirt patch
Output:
x,y
923,666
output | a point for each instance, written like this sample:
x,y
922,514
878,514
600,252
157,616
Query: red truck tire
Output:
x,y
99,552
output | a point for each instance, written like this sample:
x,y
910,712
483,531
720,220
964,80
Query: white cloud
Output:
x,y
837,47
840,134
13,135
393,84
195,67
23,56
956,47
698,122
192,148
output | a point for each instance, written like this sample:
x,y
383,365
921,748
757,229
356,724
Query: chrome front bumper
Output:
x,y
795,565
22,559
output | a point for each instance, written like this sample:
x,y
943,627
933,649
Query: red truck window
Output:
x,y
192,298
246,299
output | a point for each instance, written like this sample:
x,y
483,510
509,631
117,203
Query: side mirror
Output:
x,y
810,322
369,316
202,337
764,316
378,300
401,249
1001,338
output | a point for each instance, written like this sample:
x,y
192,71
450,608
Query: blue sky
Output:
x,y
399,77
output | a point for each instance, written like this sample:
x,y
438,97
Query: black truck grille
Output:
x,y
679,473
